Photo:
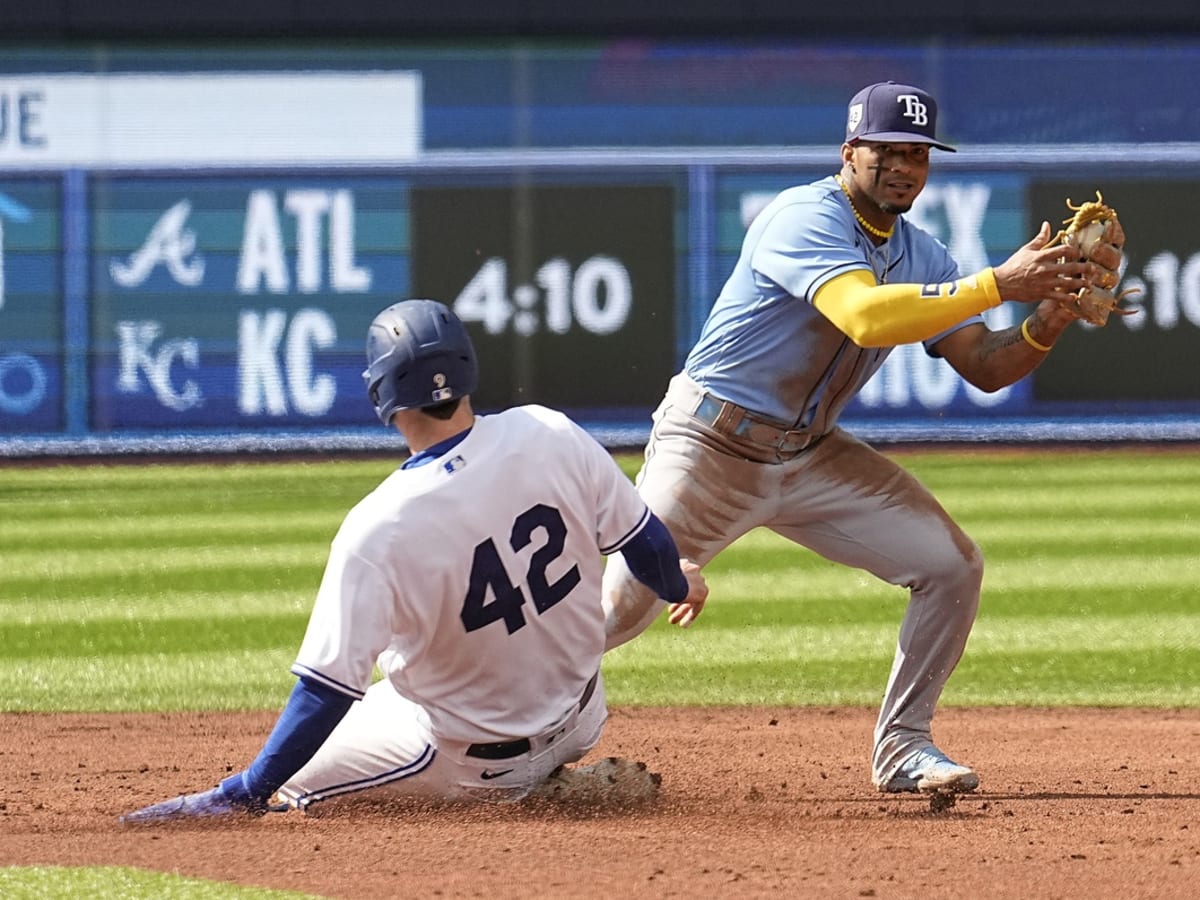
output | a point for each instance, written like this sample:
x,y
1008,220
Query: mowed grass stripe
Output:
x,y
1053,465
124,562
161,584
738,601
1055,678
312,479
1006,505
1124,479
179,530
1125,529
66,493
111,571
798,666
308,476
140,606
213,501
122,637
991,637
213,572
1139,571
256,678
874,605
45,549
787,571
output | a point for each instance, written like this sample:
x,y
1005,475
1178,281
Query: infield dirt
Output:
x,y
757,802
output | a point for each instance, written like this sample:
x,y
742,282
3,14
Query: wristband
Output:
x,y
1042,348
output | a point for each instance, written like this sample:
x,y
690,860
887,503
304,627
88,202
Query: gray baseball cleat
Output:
x,y
930,770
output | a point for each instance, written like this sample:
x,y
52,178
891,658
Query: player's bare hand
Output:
x,y
684,612
1036,272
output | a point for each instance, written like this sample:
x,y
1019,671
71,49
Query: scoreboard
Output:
x,y
241,301
174,301
569,290
238,302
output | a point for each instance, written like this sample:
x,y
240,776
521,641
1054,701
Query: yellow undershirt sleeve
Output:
x,y
885,315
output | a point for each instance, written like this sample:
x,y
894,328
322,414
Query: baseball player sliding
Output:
x,y
471,577
830,278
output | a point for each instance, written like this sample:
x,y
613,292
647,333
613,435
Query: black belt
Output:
x,y
509,749
737,421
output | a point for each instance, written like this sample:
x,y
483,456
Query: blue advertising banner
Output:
x,y
31,314
239,302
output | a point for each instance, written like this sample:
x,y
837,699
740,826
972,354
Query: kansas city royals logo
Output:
x,y
855,117
914,109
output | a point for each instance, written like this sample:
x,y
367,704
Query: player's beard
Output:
x,y
895,209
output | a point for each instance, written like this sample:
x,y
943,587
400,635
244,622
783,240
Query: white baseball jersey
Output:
x,y
474,581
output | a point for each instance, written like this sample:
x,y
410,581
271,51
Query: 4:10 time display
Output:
x,y
597,296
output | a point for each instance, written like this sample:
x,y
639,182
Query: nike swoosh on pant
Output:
x,y
488,775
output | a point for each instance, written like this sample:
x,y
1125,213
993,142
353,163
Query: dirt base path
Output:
x,y
755,803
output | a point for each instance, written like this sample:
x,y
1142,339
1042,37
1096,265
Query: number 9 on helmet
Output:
x,y
418,355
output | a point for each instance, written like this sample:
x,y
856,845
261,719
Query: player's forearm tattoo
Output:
x,y
998,341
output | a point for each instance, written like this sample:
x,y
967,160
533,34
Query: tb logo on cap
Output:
x,y
914,109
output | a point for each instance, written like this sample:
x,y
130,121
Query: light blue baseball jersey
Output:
x,y
765,346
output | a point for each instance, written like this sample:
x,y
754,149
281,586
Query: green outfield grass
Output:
x,y
68,883
169,587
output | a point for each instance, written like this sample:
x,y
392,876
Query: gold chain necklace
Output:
x,y
867,226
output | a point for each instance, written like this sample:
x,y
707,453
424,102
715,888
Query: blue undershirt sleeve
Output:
x,y
653,559
312,712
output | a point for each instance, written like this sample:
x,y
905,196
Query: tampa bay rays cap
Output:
x,y
893,112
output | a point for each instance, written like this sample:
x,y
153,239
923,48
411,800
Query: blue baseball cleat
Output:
x,y
205,805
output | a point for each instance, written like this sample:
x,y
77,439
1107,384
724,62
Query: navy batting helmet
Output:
x,y
418,354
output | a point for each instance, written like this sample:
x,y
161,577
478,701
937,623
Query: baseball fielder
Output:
x,y
471,577
830,278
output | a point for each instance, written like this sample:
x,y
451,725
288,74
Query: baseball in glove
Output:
x,y
1097,233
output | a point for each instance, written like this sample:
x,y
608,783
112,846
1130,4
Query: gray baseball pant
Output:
x,y
841,499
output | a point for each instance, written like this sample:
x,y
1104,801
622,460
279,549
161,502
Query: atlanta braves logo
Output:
x,y
171,243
